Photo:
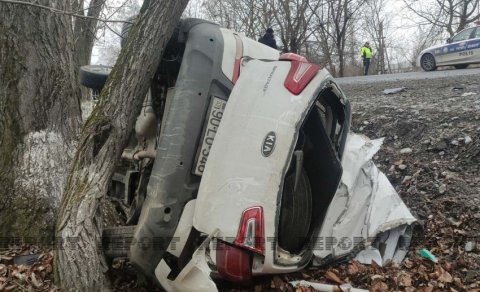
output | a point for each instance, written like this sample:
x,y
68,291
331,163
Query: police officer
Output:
x,y
366,54
268,39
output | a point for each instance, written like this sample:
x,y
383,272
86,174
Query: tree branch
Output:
x,y
59,11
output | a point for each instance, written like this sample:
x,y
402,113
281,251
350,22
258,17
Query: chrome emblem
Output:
x,y
269,144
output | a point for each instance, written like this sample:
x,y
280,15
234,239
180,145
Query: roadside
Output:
x,y
431,154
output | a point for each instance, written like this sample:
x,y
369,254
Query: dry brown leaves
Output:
x,y
36,275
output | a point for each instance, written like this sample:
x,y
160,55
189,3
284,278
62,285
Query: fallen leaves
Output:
x,y
330,275
34,275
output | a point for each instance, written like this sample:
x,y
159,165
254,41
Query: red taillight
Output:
x,y
300,74
251,234
292,57
234,263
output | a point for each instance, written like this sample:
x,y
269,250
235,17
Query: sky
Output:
x,y
401,33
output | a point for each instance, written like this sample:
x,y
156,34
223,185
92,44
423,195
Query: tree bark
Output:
x,y
79,263
85,30
39,115
85,33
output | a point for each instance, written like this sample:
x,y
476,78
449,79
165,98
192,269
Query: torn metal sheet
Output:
x,y
365,206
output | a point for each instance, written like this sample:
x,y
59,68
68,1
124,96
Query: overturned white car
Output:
x,y
235,167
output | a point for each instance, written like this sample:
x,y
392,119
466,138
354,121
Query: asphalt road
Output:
x,y
408,76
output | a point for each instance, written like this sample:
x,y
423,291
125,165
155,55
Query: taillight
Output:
x,y
300,74
234,263
251,234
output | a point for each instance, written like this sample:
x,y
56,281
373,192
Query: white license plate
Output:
x,y
217,106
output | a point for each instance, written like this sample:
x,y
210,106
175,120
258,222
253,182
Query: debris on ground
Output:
x,y
424,253
26,268
394,90
301,285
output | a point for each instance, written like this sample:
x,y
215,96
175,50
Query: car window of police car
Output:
x,y
477,33
464,35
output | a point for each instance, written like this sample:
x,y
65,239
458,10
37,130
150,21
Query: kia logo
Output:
x,y
269,144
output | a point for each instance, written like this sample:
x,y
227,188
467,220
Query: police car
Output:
x,y
461,50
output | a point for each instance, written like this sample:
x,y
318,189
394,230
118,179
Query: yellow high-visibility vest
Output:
x,y
366,52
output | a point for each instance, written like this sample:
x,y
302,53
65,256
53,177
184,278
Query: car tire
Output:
x,y
94,76
295,213
461,66
428,62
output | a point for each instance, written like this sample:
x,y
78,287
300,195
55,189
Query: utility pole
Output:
x,y
381,50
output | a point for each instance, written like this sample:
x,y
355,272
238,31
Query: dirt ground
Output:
x,y
431,154
437,125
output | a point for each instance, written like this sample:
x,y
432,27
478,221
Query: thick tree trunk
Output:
x,y
39,115
79,264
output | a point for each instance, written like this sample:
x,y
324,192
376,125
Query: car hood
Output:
x,y
429,49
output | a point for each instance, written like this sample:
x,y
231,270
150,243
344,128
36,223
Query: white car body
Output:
x,y
462,49
259,104
244,172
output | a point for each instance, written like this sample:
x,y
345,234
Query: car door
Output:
x,y
473,47
456,52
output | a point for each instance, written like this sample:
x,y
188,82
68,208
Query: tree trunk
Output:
x,y
79,263
84,33
39,115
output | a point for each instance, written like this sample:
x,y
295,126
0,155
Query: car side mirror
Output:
x,y
449,40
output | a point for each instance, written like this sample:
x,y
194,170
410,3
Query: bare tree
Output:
x,y
251,17
294,18
334,19
79,263
451,15
420,40
85,30
376,22
39,114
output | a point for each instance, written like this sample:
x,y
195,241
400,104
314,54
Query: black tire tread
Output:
x,y
295,214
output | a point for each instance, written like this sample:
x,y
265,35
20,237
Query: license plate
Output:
x,y
215,113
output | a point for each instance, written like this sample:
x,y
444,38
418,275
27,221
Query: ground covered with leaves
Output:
x,y
431,154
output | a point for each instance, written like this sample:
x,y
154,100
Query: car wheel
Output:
x,y
295,213
428,62
461,66
94,76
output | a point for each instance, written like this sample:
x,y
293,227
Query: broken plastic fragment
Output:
x,y
325,287
394,90
424,253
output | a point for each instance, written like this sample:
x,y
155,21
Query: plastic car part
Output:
x,y
251,233
94,76
461,66
233,263
238,56
292,57
299,76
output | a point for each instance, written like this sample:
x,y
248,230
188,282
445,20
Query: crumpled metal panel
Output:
x,y
365,205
